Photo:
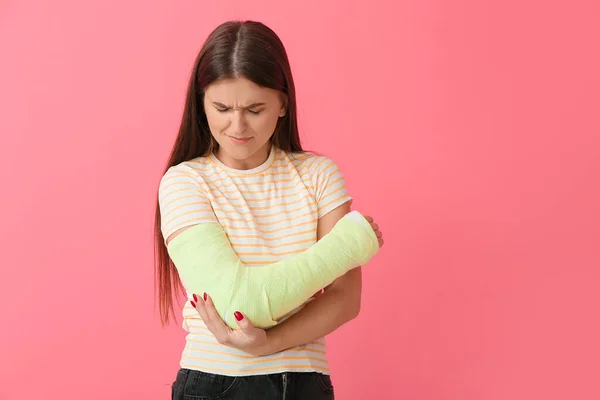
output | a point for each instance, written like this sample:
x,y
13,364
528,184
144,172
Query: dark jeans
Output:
x,y
196,385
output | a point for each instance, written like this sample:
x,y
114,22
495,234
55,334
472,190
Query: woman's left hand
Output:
x,y
248,338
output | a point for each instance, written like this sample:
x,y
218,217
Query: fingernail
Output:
x,y
238,315
205,297
195,298
193,304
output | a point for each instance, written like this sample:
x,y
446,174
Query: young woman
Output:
x,y
238,162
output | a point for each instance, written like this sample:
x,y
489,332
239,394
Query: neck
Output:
x,y
255,160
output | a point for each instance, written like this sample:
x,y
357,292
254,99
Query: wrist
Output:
x,y
273,343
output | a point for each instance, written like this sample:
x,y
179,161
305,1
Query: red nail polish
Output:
x,y
195,298
205,296
238,315
193,304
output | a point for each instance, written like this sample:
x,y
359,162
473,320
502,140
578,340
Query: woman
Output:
x,y
238,161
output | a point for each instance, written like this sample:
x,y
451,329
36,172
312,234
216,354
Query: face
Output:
x,y
242,117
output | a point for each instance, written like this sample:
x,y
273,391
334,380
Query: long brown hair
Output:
x,y
234,49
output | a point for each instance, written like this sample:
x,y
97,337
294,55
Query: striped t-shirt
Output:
x,y
269,213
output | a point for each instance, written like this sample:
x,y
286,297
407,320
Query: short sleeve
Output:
x,y
329,185
182,201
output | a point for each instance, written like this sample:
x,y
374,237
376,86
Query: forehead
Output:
x,y
239,91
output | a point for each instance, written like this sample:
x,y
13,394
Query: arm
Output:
x,y
206,262
339,304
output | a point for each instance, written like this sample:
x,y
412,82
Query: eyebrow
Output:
x,y
253,105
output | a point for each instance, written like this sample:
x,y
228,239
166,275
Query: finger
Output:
x,y
243,322
378,234
219,328
194,301
199,306
213,315
374,226
370,219
203,311
380,242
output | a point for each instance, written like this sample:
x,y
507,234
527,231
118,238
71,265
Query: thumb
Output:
x,y
243,322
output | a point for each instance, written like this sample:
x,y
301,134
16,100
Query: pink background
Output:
x,y
469,129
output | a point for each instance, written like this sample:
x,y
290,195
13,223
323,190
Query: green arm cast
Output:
x,y
206,262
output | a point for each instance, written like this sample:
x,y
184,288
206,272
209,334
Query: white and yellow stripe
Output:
x,y
269,213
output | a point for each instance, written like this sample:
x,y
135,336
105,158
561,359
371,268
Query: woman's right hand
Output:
x,y
376,230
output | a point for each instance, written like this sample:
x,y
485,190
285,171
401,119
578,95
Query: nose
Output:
x,y
238,123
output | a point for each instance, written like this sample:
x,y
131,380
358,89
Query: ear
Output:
x,y
284,105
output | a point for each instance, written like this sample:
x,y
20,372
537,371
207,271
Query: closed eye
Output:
x,y
224,110
251,108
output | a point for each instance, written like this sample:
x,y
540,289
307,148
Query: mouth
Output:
x,y
239,140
